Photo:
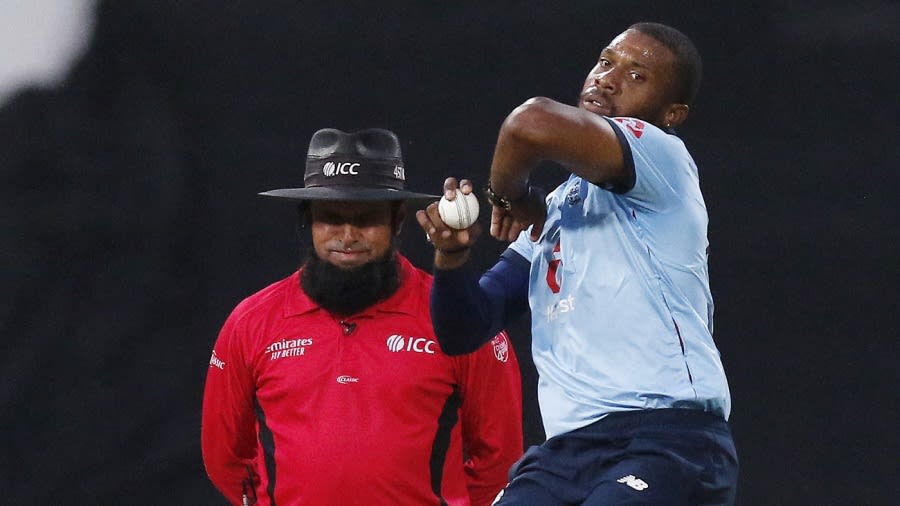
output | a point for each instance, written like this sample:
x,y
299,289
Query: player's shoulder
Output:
x,y
639,131
648,143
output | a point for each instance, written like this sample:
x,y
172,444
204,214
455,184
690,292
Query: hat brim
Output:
x,y
347,193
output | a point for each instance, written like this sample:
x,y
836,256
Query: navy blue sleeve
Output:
x,y
467,311
628,158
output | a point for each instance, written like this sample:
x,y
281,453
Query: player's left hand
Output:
x,y
528,211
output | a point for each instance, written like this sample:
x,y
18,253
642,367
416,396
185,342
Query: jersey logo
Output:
x,y
346,380
573,196
288,348
635,483
332,169
398,343
560,307
553,280
215,361
635,125
501,347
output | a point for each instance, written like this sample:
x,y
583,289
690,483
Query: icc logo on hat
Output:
x,y
366,165
331,169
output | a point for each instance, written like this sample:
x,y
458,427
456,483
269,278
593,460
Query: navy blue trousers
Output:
x,y
671,457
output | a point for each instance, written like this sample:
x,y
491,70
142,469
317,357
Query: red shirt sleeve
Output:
x,y
228,425
491,417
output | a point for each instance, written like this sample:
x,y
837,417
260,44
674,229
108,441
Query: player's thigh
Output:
x,y
527,493
646,480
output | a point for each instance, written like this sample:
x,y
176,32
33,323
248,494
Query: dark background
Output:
x,y
131,226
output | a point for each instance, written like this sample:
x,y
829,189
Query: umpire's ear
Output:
x,y
303,216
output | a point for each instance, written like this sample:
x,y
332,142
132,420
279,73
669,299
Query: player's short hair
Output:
x,y
688,65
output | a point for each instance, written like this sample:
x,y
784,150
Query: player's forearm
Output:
x,y
544,129
458,305
517,152
447,260
467,311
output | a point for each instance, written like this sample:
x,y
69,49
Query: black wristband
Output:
x,y
502,202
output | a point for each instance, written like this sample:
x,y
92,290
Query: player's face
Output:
x,y
633,77
350,234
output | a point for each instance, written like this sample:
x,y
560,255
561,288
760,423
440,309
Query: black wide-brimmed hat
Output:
x,y
363,165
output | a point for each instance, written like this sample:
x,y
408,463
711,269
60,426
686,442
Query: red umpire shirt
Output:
x,y
302,407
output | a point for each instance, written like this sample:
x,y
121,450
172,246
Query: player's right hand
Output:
x,y
444,238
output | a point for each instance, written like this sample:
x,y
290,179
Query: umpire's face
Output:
x,y
350,234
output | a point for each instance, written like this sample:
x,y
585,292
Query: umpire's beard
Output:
x,y
345,292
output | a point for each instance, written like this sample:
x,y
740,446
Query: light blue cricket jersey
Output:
x,y
619,292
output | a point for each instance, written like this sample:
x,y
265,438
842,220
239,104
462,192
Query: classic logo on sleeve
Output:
x,y
215,361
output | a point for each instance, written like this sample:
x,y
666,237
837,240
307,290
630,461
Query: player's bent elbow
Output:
x,y
527,123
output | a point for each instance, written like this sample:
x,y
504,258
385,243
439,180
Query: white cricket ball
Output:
x,y
459,213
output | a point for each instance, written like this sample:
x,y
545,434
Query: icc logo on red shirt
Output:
x,y
397,343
